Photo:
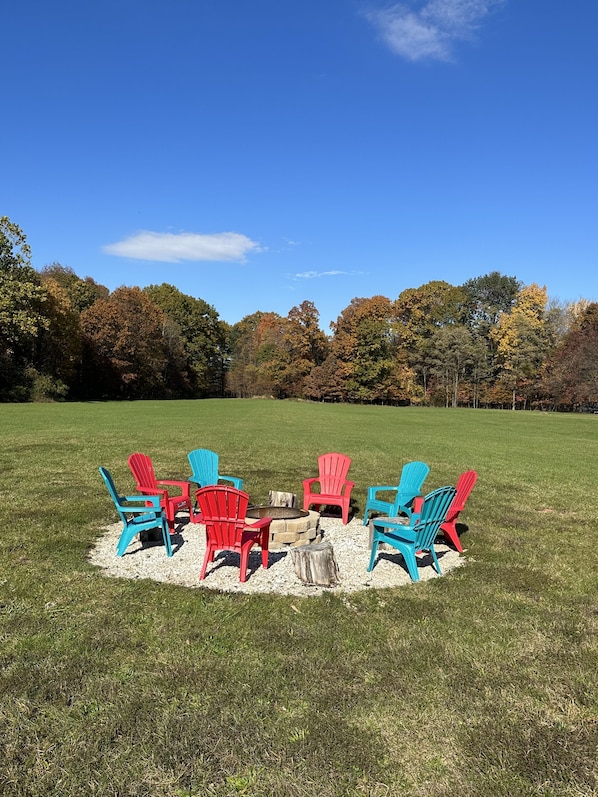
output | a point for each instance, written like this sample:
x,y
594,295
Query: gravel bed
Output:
x,y
350,544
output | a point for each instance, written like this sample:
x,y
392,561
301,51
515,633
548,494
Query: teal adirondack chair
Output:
x,y
427,515
138,513
204,467
409,487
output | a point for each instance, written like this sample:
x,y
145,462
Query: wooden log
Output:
x,y
276,498
315,564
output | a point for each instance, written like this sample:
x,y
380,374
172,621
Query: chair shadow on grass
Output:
x,y
424,559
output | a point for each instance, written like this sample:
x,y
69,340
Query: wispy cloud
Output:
x,y
176,247
310,275
431,30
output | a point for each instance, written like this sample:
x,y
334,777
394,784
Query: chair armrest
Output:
x,y
152,491
307,483
142,509
231,479
379,488
182,485
395,530
142,501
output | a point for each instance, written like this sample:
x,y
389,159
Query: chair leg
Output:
x,y
166,538
264,546
450,532
435,560
124,540
170,512
195,516
209,557
373,555
410,560
243,567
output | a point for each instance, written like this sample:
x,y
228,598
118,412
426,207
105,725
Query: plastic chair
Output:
x,y
204,469
335,488
409,487
427,515
136,515
143,472
465,485
223,510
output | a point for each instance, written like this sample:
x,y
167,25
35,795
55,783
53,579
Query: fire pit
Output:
x,y
290,526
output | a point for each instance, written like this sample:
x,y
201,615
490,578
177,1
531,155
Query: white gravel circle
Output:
x,y
351,552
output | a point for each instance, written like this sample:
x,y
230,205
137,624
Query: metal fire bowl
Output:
x,y
275,512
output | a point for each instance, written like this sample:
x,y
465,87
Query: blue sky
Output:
x,y
258,154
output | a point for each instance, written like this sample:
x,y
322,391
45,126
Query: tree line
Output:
x,y
491,342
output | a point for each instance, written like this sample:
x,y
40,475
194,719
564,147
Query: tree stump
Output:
x,y
315,564
276,498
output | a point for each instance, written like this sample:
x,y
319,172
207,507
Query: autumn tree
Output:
x,y
22,316
193,329
522,343
363,344
419,313
82,293
126,352
325,382
570,379
487,298
57,351
303,346
451,353
257,356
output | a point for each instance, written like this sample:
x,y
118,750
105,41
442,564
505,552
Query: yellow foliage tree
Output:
x,y
522,340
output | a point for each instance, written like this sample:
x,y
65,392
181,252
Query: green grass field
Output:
x,y
483,682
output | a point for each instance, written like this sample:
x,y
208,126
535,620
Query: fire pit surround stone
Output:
x,y
290,527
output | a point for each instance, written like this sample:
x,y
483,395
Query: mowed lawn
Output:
x,y
482,682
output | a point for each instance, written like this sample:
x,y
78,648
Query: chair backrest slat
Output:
x,y
223,510
465,485
433,513
143,471
333,469
413,476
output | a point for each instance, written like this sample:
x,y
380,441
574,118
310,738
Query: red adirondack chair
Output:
x,y
143,471
223,509
335,488
464,487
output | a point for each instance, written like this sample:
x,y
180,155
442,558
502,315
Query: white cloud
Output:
x,y
175,247
432,30
308,275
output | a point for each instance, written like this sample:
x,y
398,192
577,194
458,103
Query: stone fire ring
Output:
x,y
290,527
